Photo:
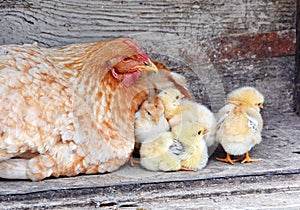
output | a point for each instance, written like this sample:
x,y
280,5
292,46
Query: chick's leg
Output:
x,y
182,168
227,159
132,161
249,160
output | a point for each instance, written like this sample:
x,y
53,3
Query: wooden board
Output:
x,y
297,74
219,41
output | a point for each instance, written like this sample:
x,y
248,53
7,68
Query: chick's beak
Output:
x,y
156,120
261,106
205,131
148,66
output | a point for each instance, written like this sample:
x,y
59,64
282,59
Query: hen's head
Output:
x,y
246,96
128,61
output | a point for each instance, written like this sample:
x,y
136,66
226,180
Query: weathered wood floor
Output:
x,y
272,183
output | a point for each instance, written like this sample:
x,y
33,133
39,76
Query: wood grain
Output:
x,y
180,33
297,70
61,22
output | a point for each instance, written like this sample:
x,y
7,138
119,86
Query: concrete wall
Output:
x,y
219,45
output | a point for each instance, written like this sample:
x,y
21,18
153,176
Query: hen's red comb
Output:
x,y
138,50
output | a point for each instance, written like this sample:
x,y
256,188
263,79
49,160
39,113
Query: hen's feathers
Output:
x,y
64,109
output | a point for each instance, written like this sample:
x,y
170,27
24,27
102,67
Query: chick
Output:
x,y
190,135
192,111
159,155
150,121
240,123
171,98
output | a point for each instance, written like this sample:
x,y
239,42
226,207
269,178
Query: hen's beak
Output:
x,y
148,66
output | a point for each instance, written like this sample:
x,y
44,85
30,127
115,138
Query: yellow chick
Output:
x,y
190,135
171,98
192,111
157,155
150,121
240,123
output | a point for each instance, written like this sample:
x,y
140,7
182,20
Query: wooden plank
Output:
x,y
297,74
61,22
278,191
253,47
186,35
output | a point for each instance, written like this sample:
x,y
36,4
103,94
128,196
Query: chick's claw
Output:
x,y
249,160
132,161
187,169
228,159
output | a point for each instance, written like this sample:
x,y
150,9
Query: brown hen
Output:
x,y
69,110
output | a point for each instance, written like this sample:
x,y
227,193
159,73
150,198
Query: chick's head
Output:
x,y
189,132
171,98
152,109
246,96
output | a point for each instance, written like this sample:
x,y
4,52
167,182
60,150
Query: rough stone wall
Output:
x,y
218,45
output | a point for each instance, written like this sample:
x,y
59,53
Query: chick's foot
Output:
x,y
247,159
228,159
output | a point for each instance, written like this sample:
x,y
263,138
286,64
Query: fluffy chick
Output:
x,y
190,135
171,98
240,123
150,121
158,155
192,111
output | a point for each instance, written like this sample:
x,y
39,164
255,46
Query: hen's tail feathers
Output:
x,y
13,169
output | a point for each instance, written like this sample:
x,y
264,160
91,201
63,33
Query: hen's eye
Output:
x,y
146,64
199,132
126,59
148,113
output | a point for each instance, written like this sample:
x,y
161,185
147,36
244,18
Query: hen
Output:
x,y
69,110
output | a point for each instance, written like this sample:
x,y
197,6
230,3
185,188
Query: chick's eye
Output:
x,y
148,113
199,132
177,97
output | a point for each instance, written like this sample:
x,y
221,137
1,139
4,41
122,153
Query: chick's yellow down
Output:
x,y
157,155
240,123
192,111
171,98
150,121
190,135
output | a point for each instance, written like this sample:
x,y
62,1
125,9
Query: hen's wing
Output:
x,y
35,108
